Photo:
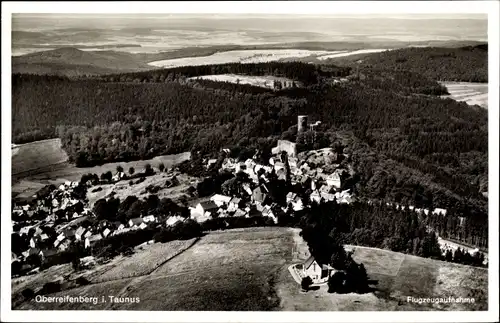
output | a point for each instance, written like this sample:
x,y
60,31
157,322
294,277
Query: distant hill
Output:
x,y
73,62
466,64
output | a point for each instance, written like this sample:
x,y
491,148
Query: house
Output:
x,y
220,200
33,242
247,189
439,211
120,231
173,220
290,197
24,230
240,167
269,213
234,203
106,232
143,226
240,213
79,233
64,245
92,240
260,194
199,217
211,162
287,146
297,204
318,273
315,197
327,196
135,222
326,189
149,218
334,179
204,207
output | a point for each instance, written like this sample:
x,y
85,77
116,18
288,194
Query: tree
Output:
x,y
161,167
28,293
131,170
337,282
119,169
107,176
76,263
148,170
306,283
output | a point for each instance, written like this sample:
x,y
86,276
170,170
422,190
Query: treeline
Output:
x,y
466,64
373,225
305,73
401,82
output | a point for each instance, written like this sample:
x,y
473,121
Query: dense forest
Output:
x,y
405,144
466,64
375,225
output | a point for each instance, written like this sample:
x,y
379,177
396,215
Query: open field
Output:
x,y
261,81
397,276
240,56
246,269
225,270
346,53
145,261
37,155
470,93
122,189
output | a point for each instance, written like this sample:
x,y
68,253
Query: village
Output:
x,y
56,219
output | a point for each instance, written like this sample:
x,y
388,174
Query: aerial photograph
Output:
x,y
249,162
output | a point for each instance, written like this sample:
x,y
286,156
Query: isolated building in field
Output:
x,y
319,273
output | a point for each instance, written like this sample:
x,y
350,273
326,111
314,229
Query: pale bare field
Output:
x,y
356,52
470,93
261,81
240,56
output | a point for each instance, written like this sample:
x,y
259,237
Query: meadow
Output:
x,y
470,93
246,269
261,81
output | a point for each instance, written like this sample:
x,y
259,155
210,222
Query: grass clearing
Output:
x,y
37,155
145,261
122,189
470,93
260,81
246,269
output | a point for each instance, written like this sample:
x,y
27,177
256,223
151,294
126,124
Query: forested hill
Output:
x,y
74,62
466,64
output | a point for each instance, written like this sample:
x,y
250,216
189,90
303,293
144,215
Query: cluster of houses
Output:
x,y
256,199
55,220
